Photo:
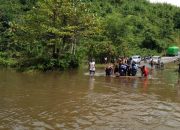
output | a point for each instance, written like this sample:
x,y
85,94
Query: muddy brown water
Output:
x,y
74,101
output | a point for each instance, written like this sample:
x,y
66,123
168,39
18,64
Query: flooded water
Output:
x,y
74,101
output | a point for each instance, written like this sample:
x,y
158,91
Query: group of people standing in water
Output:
x,y
122,67
125,67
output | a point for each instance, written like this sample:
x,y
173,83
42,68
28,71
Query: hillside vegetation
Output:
x,y
60,34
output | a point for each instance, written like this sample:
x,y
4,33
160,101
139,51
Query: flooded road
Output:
x,y
72,101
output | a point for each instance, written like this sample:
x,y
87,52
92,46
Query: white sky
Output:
x,y
173,2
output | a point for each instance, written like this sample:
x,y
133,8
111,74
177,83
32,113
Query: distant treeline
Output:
x,y
60,34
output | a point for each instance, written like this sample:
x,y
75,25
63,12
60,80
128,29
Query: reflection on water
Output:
x,y
145,85
91,83
72,100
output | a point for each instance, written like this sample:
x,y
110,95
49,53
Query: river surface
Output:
x,y
74,101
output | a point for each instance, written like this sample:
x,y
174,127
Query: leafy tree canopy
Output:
x,y
59,34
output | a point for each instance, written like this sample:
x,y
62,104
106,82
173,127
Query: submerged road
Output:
x,y
169,59
164,60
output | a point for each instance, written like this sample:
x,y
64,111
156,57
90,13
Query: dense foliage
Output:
x,y
59,34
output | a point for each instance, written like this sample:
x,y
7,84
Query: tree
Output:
x,y
53,28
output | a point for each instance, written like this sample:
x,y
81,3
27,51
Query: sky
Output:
x,y
173,2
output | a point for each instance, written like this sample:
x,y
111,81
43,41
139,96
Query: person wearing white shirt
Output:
x,y
92,68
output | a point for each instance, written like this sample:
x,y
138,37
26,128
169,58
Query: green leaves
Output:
x,y
49,34
52,28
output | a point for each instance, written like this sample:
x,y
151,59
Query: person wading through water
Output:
x,y
92,68
134,69
109,70
144,71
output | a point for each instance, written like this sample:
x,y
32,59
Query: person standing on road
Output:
x,y
105,60
152,63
